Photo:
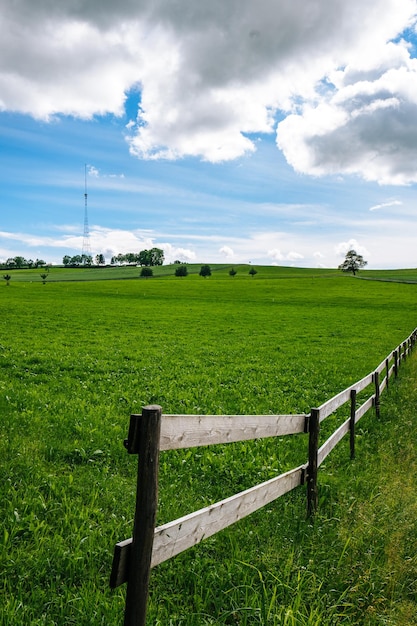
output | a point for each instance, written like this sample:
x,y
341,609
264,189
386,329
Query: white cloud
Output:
x,y
364,125
93,171
294,256
114,241
174,253
227,252
211,73
344,246
385,205
277,255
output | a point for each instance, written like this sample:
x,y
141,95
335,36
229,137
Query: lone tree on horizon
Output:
x,y
353,262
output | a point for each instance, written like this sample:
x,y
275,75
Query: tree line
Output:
x,y
147,258
19,262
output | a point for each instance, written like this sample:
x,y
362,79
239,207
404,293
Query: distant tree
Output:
x,y
152,257
182,270
205,271
157,256
30,263
232,272
144,258
353,262
66,260
19,262
131,257
146,272
76,260
87,260
10,263
44,277
7,278
252,271
100,260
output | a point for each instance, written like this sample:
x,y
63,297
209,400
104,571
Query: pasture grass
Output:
x,y
77,358
132,272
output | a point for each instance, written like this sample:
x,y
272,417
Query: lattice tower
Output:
x,y
86,250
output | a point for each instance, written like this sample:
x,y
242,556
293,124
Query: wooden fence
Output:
x,y
151,432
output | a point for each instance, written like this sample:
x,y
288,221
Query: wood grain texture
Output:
x,y
179,535
187,431
329,407
332,441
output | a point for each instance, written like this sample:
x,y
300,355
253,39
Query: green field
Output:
x,y
79,354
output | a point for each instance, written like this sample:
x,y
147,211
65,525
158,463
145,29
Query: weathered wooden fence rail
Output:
x,y
151,432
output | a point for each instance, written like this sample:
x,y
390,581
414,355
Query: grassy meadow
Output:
x,y
83,351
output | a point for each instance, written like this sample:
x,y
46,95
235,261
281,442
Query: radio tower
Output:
x,y
86,251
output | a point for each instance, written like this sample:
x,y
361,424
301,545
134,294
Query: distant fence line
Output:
x,y
151,431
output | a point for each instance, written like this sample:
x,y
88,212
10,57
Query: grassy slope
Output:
x,y
58,274
76,359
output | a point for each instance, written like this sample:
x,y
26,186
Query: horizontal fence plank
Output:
x,y
341,398
364,408
175,537
383,385
187,431
382,366
334,403
363,383
332,442
119,570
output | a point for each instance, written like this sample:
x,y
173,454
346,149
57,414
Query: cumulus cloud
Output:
x,y
344,246
364,123
277,255
173,253
212,73
227,252
294,256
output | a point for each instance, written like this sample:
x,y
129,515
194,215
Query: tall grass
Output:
x,y
77,358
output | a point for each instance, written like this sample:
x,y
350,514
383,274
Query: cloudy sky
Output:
x,y
271,132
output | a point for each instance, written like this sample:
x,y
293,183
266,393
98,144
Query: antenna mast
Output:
x,y
86,251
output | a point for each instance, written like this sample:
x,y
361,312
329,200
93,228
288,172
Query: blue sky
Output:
x,y
216,147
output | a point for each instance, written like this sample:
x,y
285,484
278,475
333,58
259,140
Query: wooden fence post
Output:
x,y
352,422
147,437
312,469
377,394
396,363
